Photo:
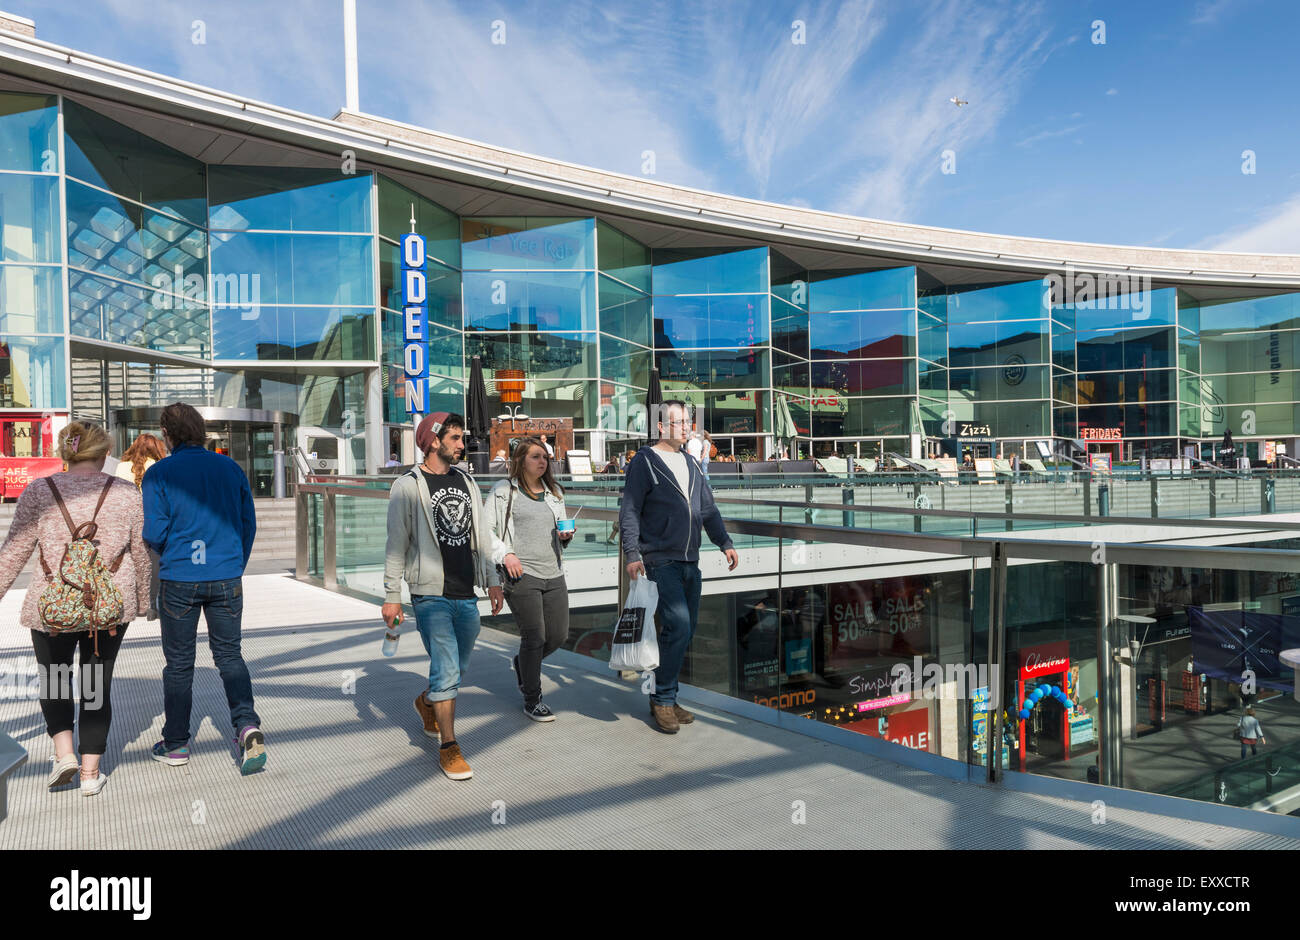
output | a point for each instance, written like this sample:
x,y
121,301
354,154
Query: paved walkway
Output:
x,y
350,767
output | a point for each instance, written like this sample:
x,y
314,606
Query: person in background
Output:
x,y
666,501
612,466
710,451
392,461
1250,731
525,510
199,518
695,445
145,451
499,463
550,451
85,493
441,546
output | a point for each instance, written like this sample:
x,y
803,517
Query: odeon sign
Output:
x,y
415,327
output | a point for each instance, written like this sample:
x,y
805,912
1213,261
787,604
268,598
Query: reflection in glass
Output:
x,y
32,372
875,334
268,332
559,301
514,244
28,132
717,321
440,227
288,199
289,269
31,299
540,355
867,290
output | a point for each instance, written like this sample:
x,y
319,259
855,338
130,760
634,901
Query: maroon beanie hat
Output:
x,y
426,433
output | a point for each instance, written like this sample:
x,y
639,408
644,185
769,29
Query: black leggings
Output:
x,y
54,655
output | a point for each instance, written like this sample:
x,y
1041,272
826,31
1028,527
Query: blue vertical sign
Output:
x,y
415,325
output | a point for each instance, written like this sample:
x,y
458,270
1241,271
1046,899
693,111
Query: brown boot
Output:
x,y
683,716
664,718
424,708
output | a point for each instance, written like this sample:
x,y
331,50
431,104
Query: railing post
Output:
x,y
850,519
1266,496
301,568
996,655
808,498
1155,497
328,535
1107,724
1087,495
916,497
1214,500
1009,507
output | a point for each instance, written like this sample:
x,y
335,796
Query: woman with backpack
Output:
x,y
526,510
83,594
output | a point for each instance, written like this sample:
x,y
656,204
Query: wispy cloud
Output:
x,y
1112,91
1048,135
1207,12
1275,231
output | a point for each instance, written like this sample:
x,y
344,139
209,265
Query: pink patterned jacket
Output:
x,y
38,522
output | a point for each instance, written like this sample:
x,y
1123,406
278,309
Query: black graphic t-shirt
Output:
x,y
452,515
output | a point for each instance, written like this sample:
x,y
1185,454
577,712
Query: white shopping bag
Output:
x,y
635,645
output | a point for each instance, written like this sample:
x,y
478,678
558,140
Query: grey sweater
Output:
x,y
412,553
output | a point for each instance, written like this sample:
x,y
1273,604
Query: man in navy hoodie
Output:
x,y
666,501
198,517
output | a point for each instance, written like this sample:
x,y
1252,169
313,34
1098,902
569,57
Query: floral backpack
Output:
x,y
82,596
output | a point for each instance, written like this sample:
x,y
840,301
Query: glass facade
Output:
x,y
113,239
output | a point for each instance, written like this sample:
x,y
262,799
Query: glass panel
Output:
x,y
789,328
117,158
737,412
440,227
1007,418
136,316
1280,312
540,355
997,343
528,244
445,393
1244,352
31,299
733,272
791,376
1140,308
1065,422
28,129
1150,385
833,416
932,338
1011,381
1064,387
744,369
622,257
1252,387
623,362
326,270
727,321
268,332
872,377
546,300
1128,349
32,372
442,287
789,281
875,334
624,312
1063,348
30,208
1025,300
119,239
1136,420
869,290
288,199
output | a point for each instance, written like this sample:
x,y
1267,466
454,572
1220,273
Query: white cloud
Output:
x,y
1208,11
1112,91
1047,135
1277,231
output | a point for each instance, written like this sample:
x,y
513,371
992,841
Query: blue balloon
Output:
x,y
1055,690
1037,695
1024,715
1027,704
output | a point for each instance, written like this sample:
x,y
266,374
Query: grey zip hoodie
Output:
x,y
413,554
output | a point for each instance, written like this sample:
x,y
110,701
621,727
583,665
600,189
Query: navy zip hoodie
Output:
x,y
657,521
198,515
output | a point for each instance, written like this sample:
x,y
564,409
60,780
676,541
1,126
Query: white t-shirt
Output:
x,y
695,447
676,461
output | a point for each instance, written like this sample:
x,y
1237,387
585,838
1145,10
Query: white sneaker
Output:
x,y
62,770
91,787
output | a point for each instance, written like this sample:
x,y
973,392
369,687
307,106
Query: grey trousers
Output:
x,y
541,609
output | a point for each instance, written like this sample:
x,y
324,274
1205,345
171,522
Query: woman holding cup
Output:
x,y
529,518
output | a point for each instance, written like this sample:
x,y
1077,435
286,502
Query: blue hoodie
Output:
x,y
198,515
657,521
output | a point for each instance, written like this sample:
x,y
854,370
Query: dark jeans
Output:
x,y
541,608
1244,743
94,684
676,617
222,603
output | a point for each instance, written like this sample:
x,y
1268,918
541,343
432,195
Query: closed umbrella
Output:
x,y
476,418
783,422
654,397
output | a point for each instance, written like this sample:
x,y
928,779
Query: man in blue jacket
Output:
x,y
666,501
198,517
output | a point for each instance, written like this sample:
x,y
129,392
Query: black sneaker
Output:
x,y
519,679
539,712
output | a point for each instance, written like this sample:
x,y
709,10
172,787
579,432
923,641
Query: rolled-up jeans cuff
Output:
x,y
447,696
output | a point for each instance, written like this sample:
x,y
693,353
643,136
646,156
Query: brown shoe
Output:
x,y
453,764
683,716
424,709
664,718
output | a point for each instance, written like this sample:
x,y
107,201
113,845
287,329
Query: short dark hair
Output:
x,y
453,421
183,424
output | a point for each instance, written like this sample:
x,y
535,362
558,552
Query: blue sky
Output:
x,y
1137,140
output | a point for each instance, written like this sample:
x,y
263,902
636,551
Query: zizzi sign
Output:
x,y
415,330
975,430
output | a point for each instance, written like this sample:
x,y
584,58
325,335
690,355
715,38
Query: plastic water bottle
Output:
x,y
391,637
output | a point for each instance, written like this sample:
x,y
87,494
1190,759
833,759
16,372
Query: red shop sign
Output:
x,y
1045,659
17,472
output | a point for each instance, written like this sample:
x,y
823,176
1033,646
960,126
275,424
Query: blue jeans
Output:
x,y
448,629
676,616
222,603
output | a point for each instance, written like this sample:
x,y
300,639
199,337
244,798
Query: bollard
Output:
x,y
847,499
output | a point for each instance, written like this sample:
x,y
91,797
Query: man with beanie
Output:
x,y
666,501
440,543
